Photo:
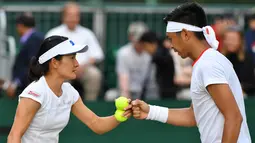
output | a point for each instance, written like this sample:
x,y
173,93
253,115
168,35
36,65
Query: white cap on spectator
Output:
x,y
136,29
64,48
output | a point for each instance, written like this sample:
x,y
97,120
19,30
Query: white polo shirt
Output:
x,y
53,114
214,68
83,36
134,65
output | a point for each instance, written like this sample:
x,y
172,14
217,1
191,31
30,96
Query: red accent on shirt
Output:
x,y
33,93
199,57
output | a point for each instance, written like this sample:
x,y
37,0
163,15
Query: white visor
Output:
x,y
64,48
207,31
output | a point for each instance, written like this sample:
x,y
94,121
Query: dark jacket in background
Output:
x,y
245,71
164,72
22,62
250,42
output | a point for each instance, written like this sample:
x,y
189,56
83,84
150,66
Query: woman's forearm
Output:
x,y
104,124
14,139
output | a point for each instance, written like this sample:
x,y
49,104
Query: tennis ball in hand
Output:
x,y
119,116
121,103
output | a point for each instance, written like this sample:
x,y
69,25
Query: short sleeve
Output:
x,y
213,73
34,95
122,66
75,94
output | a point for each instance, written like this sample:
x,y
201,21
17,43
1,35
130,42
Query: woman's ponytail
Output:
x,y
36,70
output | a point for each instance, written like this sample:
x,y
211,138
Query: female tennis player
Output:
x,y
45,105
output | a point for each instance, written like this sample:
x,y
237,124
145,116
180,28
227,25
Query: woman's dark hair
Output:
x,y
189,13
36,69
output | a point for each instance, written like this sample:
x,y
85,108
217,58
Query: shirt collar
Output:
x,y
76,28
25,37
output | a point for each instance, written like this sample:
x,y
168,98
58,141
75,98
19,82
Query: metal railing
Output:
x,y
100,11
7,49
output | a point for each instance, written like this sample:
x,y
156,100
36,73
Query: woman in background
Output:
x,y
234,50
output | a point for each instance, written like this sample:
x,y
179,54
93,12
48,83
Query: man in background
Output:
x,y
250,36
221,22
30,42
164,64
132,63
88,73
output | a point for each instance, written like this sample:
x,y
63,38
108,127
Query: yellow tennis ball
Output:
x,y
119,116
121,103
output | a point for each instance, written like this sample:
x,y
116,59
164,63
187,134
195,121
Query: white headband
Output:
x,y
207,31
64,48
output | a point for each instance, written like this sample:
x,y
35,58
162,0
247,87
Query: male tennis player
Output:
x,y
217,100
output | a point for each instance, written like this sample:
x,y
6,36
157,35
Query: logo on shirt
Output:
x,y
33,93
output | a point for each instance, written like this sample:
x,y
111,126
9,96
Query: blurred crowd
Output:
x,y
146,66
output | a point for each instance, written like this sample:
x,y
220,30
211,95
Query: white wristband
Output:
x,y
158,113
6,85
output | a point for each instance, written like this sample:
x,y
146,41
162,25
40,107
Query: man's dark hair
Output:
x,y
190,13
26,19
150,37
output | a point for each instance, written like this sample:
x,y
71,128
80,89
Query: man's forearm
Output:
x,y
231,130
181,117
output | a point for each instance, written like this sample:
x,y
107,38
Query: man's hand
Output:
x,y
92,61
1,83
11,90
80,71
140,109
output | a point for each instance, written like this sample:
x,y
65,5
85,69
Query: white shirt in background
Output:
x,y
214,68
134,65
80,35
180,63
53,114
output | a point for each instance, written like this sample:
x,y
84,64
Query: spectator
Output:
x,y
88,73
182,76
183,72
250,36
132,63
164,64
242,61
221,22
30,42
